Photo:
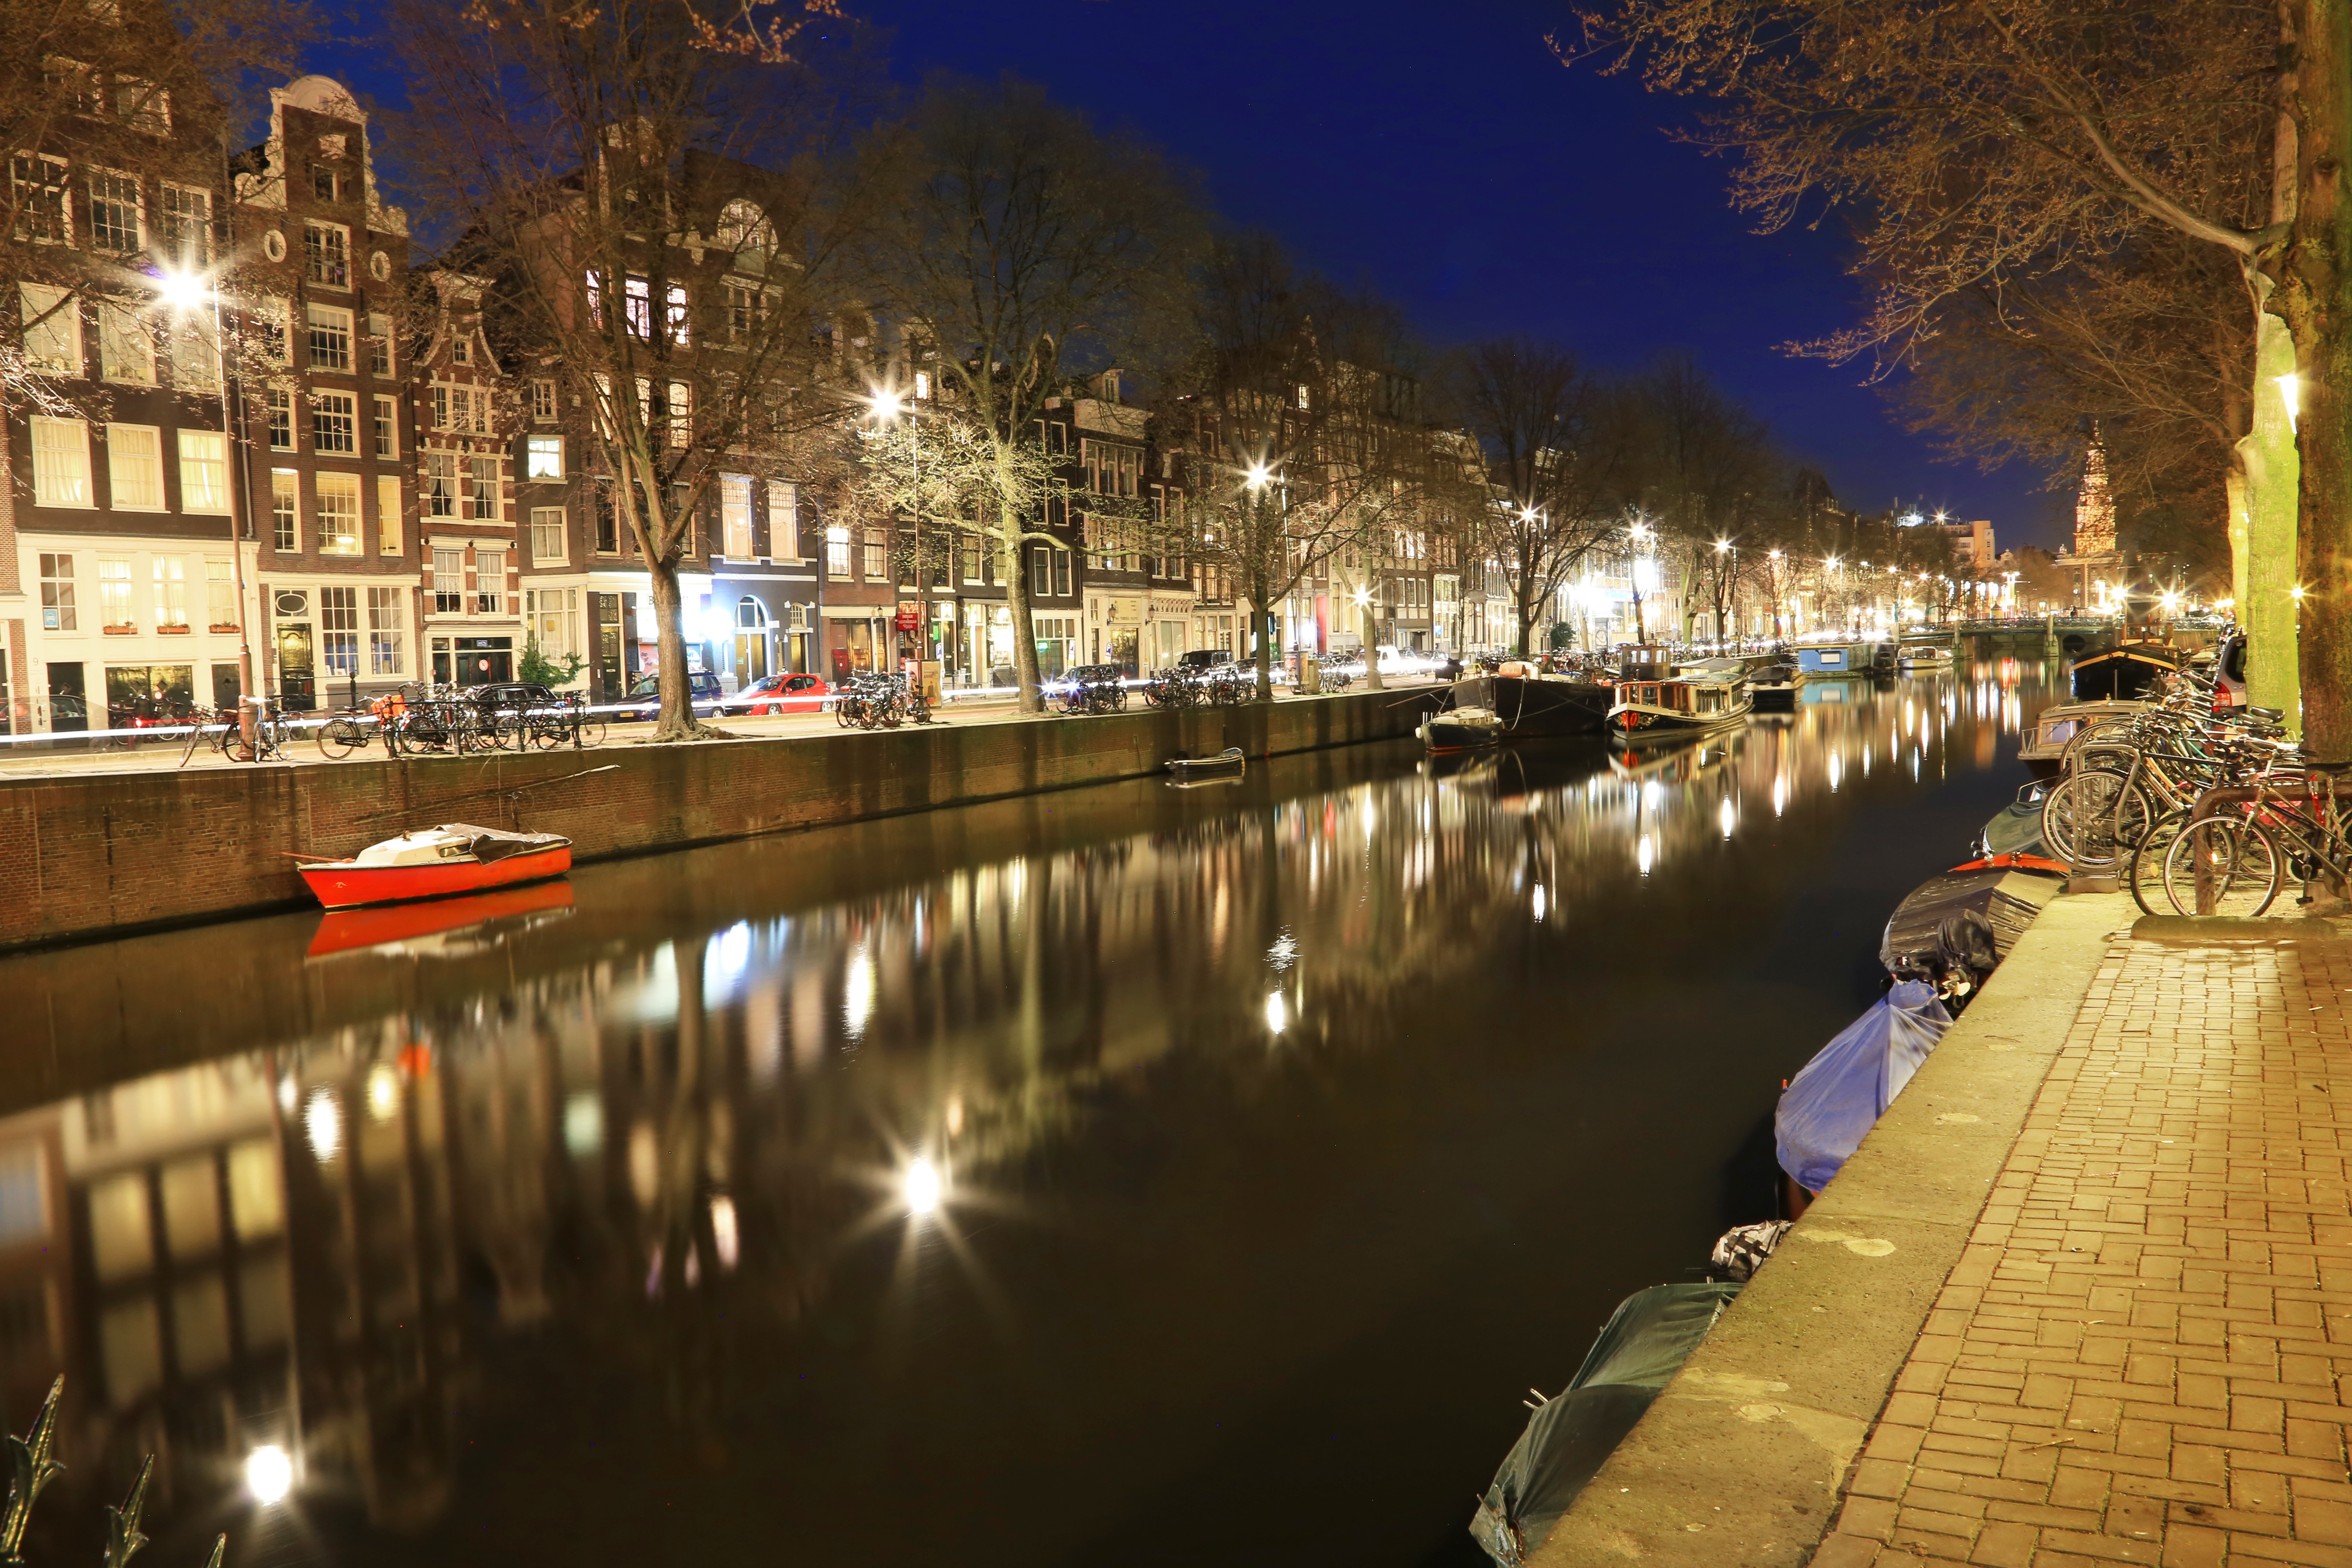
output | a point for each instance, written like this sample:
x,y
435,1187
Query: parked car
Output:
x,y
511,694
643,700
780,694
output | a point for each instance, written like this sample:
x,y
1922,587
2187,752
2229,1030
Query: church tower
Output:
x,y
2094,509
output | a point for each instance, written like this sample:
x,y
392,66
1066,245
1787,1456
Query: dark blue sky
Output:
x,y
1442,155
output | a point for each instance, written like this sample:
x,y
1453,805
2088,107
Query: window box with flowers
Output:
x,y
122,629
231,627
170,630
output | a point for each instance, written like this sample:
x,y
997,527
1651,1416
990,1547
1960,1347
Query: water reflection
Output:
x,y
986,1163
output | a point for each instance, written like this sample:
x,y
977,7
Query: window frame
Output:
x,y
152,480
544,519
217,461
536,445
45,493
333,361
316,263
321,411
339,483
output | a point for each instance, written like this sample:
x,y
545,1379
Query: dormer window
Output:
x,y
326,183
461,350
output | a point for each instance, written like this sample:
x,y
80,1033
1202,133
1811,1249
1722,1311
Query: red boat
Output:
x,y
434,862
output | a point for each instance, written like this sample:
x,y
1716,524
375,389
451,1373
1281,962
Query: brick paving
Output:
x,y
2144,1356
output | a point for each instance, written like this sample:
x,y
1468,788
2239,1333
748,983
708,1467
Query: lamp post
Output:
x,y
888,406
184,293
1727,554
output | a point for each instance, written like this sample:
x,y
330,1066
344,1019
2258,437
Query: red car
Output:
x,y
780,694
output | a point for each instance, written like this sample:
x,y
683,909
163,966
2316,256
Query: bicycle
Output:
x,y
271,731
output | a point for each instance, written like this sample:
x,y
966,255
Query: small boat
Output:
x,y
1774,688
441,928
1679,706
1533,705
1954,928
2124,673
1832,659
1461,729
1227,763
434,862
1923,657
2044,749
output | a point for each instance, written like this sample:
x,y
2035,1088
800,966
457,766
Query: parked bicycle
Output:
x,y
1094,689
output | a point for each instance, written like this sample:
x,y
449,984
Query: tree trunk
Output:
x,y
1372,648
675,720
2270,465
1012,563
2318,272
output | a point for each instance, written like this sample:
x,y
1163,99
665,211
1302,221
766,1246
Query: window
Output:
x,y
57,592
338,514
735,517
922,383
117,219
330,337
61,463
385,632
877,567
448,582
742,312
680,410
461,349
679,331
52,328
1062,573
387,427
547,536
784,520
608,520
338,630
744,229
114,593
280,403
440,484
482,489
379,344
489,581
285,532
327,253
388,530
637,303
187,229
334,422
171,591
134,466
126,346
220,596
542,457
44,210
542,400
836,554
552,615
461,408
267,320
324,182
194,338
1041,569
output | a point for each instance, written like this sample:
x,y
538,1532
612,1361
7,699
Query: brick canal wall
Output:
x,y
117,852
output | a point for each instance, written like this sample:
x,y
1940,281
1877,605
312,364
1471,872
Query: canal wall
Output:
x,y
110,854
1742,1459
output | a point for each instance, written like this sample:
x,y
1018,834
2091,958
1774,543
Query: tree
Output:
x,y
1705,466
1300,424
1015,245
1978,140
1558,442
644,184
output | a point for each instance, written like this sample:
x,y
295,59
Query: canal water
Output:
x,y
1127,1175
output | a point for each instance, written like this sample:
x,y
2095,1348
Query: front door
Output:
x,y
298,689
68,705
612,675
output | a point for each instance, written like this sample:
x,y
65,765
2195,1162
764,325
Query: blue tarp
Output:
x,y
1842,1092
1649,1336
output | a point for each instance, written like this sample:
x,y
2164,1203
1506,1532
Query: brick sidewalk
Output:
x,y
2145,1354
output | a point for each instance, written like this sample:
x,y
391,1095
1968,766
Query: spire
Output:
x,y
2094,509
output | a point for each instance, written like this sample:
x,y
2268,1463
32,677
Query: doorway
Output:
x,y
68,703
297,687
226,688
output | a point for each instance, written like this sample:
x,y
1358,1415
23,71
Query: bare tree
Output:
x,y
1708,470
644,184
1015,245
1558,444
1304,436
1981,140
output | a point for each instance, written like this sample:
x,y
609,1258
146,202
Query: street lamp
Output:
x,y
888,406
184,293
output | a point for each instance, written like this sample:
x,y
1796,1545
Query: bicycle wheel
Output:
x,y
339,738
2146,873
2084,798
592,730
2221,866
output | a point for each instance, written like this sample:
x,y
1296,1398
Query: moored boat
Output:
x,y
1923,657
1774,688
1679,706
1228,764
1461,729
1532,705
1830,661
2124,673
435,862
2043,748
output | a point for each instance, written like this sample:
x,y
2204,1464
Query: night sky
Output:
x,y
1442,156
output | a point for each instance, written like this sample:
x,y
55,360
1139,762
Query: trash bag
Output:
x,y
1839,1095
1572,1436
1741,1251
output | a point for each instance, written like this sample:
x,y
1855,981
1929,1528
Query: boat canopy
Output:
x,y
1835,1100
1570,1436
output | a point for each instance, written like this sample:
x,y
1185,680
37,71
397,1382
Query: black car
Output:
x,y
1201,660
643,700
514,694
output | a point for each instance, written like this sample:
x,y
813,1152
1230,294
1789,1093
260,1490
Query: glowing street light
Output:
x,y
887,405
268,1474
1258,478
182,291
922,1187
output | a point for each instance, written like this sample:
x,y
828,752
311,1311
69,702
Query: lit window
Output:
x,y
61,463
44,208
171,591
327,253
482,489
735,516
204,471
338,514
547,545
388,529
52,328
334,422
57,592
117,218
114,593
126,345
489,581
330,337
285,531
187,225
543,457
134,466
338,630
387,631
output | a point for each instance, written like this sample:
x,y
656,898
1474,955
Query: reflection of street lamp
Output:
x,y
184,293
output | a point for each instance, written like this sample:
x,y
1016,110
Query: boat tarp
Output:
x,y
2009,899
1836,1098
2016,831
1570,1436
